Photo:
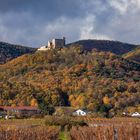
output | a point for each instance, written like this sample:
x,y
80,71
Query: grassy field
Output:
x,y
96,129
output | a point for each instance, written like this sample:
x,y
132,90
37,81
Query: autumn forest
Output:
x,y
102,82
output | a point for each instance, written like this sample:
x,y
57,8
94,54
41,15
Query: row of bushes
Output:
x,y
65,123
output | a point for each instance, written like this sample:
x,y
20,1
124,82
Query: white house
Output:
x,y
80,112
135,114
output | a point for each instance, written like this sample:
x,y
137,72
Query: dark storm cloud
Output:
x,y
42,8
33,22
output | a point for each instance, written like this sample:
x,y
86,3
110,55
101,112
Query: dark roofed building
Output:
x,y
24,111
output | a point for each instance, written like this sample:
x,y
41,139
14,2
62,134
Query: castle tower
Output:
x,y
56,43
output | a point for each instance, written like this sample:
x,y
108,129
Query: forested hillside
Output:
x,y
106,45
10,51
133,55
99,81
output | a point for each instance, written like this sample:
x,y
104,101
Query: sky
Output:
x,y
34,22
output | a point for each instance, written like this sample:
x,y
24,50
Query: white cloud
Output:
x,y
120,5
93,5
63,26
73,29
124,6
87,30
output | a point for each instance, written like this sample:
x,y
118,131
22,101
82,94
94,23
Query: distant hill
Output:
x,y
102,82
106,45
10,51
133,55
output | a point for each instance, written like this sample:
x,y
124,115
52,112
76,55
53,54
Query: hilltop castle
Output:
x,y
55,43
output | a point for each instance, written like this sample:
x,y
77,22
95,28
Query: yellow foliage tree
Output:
x,y
55,99
34,102
90,106
106,100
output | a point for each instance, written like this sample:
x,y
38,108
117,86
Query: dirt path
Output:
x,y
63,135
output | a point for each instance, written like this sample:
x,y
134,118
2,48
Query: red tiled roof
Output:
x,y
19,107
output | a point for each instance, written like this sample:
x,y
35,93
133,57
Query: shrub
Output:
x,y
64,122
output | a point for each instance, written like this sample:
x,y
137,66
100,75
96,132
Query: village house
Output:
x,y
55,43
22,111
80,112
135,114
